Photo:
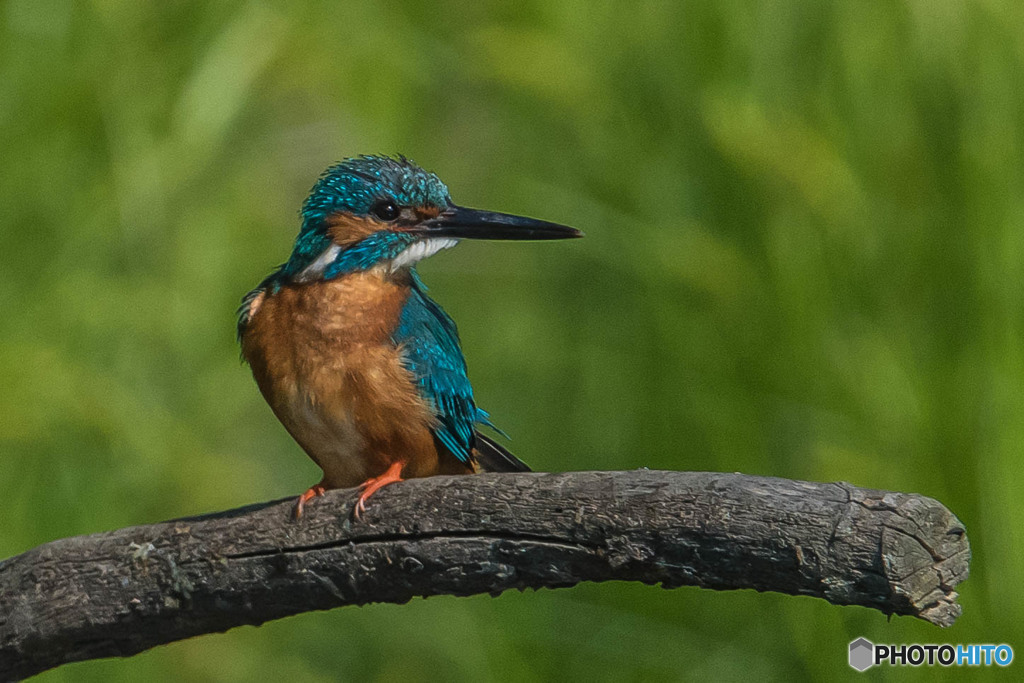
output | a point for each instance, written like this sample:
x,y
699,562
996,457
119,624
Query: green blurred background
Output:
x,y
804,258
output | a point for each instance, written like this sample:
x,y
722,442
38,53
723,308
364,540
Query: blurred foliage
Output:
x,y
805,242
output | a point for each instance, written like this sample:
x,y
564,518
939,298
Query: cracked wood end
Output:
x,y
120,592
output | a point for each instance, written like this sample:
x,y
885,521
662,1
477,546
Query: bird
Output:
x,y
364,370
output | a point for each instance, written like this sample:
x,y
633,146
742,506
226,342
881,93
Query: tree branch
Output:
x,y
120,592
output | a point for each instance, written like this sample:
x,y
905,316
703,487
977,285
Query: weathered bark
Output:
x,y
120,592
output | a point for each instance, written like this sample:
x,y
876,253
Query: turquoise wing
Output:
x,y
431,352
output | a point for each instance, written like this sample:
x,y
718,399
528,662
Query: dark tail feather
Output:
x,y
492,456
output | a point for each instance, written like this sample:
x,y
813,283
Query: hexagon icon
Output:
x,y
862,654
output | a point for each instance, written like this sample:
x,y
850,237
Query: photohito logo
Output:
x,y
864,654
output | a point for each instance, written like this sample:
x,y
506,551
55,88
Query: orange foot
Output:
x,y
374,484
311,493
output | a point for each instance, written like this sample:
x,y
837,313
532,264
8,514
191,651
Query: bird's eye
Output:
x,y
385,210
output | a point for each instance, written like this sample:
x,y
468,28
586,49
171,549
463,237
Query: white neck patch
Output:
x,y
315,269
421,249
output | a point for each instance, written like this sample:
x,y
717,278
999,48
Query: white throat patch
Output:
x,y
419,250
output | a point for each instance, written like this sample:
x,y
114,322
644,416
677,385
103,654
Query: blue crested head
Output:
x,y
377,211
349,209
356,185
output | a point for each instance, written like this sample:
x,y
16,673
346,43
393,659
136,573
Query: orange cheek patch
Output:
x,y
344,229
428,211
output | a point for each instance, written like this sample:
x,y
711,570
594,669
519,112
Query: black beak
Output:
x,y
462,223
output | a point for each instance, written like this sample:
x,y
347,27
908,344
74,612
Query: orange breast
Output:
x,y
322,355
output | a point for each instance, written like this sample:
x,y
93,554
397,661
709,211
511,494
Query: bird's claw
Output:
x,y
370,486
311,493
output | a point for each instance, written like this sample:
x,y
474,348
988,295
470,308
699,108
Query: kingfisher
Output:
x,y
362,368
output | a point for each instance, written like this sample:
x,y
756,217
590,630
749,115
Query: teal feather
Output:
x,y
431,352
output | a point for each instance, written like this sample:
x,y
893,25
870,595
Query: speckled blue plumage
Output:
x,y
380,246
355,184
